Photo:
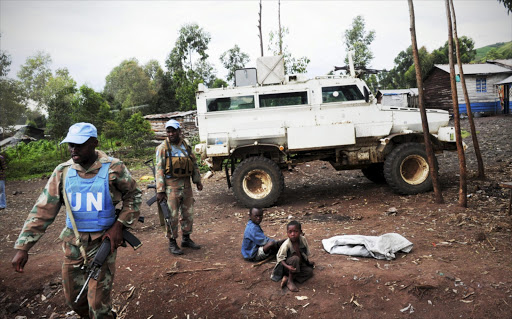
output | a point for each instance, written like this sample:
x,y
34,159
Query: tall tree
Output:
x,y
187,65
358,40
128,85
155,73
60,112
13,102
90,106
467,51
276,45
191,45
424,122
5,62
62,80
34,75
425,63
233,59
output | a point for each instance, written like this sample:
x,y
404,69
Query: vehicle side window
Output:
x,y
230,103
341,94
283,99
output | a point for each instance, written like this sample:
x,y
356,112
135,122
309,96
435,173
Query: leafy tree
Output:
x,y
493,54
204,72
507,4
358,40
5,63
192,41
218,83
137,131
155,74
467,52
165,99
36,118
90,106
187,65
34,75
62,80
57,97
234,59
128,84
13,102
60,111
426,64
276,45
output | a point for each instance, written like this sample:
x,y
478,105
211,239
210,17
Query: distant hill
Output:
x,y
501,50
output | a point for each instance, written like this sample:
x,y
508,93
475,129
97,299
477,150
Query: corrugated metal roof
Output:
x,y
506,62
484,68
411,91
506,81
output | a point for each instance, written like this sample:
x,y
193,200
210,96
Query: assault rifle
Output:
x,y
163,204
101,256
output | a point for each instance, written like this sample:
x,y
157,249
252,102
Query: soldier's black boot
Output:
x,y
174,248
187,242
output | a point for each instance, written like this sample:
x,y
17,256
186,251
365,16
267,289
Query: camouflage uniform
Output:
x,y
179,192
97,303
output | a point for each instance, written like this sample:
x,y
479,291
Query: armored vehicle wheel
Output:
x,y
375,173
257,182
406,169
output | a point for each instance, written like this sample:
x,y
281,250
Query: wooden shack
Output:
x,y
481,82
186,119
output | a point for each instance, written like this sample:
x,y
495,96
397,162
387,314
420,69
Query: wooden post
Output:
x,y
259,28
481,173
424,122
463,201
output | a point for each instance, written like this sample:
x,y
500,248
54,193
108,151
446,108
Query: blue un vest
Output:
x,y
90,201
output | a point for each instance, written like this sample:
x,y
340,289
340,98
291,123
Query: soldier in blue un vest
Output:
x,y
90,185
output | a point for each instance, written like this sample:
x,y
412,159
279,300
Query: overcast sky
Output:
x,y
90,38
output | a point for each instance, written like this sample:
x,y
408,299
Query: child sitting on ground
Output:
x,y
292,259
256,246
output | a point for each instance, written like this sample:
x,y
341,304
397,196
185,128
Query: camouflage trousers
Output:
x,y
94,302
181,205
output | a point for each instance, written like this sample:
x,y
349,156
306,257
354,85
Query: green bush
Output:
x,y
35,158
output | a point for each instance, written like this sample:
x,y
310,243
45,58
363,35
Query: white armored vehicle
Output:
x,y
256,130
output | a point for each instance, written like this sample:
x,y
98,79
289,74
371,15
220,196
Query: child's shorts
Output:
x,y
261,254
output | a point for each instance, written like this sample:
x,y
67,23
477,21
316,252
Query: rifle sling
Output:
x,y
71,218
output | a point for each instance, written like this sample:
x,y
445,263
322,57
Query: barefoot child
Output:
x,y
256,246
293,264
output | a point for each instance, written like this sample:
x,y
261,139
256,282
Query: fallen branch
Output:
x,y
259,263
493,248
172,272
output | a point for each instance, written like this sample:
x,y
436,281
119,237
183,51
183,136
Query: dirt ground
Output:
x,y
459,267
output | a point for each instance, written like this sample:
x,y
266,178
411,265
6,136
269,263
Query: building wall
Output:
x,y
437,90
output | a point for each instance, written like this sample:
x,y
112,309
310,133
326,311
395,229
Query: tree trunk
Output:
x,y
424,122
463,201
259,28
481,173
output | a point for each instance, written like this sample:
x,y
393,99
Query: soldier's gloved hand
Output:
x,y
161,196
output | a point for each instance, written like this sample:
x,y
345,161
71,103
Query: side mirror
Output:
x,y
366,95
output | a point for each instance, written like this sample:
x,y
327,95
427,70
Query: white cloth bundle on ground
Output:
x,y
380,247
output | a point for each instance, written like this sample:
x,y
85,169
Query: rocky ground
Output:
x,y
459,267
